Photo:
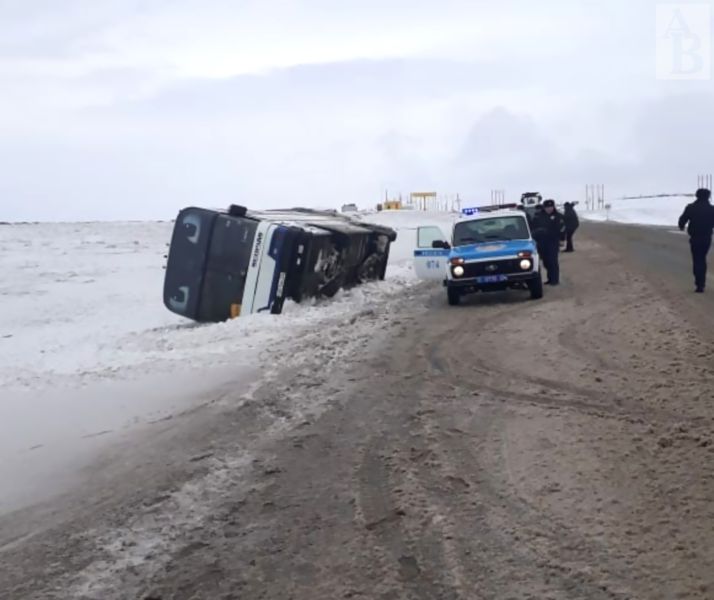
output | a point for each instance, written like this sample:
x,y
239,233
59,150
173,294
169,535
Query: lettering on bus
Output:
x,y
256,251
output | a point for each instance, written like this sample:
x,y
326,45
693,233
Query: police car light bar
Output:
x,y
487,208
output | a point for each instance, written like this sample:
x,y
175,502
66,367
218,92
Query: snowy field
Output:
x,y
645,211
88,352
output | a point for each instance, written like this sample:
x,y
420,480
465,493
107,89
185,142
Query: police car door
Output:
x,y
429,262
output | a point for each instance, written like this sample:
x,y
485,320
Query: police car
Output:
x,y
488,251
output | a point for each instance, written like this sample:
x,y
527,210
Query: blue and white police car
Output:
x,y
488,251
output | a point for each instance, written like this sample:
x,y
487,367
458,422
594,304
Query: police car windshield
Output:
x,y
498,229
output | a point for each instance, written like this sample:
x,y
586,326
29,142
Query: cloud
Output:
x,y
673,132
127,108
386,84
503,140
45,29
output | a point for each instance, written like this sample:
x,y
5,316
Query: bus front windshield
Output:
x,y
229,258
208,264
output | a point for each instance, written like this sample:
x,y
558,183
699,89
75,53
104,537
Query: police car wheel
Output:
x,y
536,287
454,296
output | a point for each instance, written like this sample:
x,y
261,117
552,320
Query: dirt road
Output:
x,y
503,449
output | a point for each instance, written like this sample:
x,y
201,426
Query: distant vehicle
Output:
x,y
349,208
531,198
489,251
223,264
529,201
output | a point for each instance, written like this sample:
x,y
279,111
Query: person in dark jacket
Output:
x,y
698,217
548,226
529,218
570,217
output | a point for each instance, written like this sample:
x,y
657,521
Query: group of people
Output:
x,y
549,228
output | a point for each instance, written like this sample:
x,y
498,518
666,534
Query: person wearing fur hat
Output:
x,y
548,226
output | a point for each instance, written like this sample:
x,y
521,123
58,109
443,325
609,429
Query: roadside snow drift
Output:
x,y
642,211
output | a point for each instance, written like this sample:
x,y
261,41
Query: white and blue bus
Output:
x,y
223,264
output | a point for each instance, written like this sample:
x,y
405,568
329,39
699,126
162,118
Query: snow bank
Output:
x,y
641,211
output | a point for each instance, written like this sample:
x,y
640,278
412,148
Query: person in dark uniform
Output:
x,y
527,214
548,226
698,217
570,217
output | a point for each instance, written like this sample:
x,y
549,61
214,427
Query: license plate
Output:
x,y
491,279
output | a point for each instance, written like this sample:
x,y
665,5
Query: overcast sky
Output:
x,y
136,108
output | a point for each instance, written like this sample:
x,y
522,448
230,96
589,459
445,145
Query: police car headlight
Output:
x,y
526,264
458,271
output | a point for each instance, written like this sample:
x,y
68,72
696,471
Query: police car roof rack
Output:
x,y
488,208
495,207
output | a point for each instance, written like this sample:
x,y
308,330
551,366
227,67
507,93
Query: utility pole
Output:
x,y
595,196
498,197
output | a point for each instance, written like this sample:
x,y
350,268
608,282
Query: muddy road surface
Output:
x,y
503,449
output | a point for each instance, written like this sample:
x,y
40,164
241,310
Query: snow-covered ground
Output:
x,y
88,351
641,211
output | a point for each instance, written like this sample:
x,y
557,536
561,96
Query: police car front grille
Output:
x,y
496,267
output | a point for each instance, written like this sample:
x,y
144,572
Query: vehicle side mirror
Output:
x,y
440,244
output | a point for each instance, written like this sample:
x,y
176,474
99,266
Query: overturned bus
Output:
x,y
223,264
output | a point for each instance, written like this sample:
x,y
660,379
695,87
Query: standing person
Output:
x,y
548,226
700,219
528,215
571,225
